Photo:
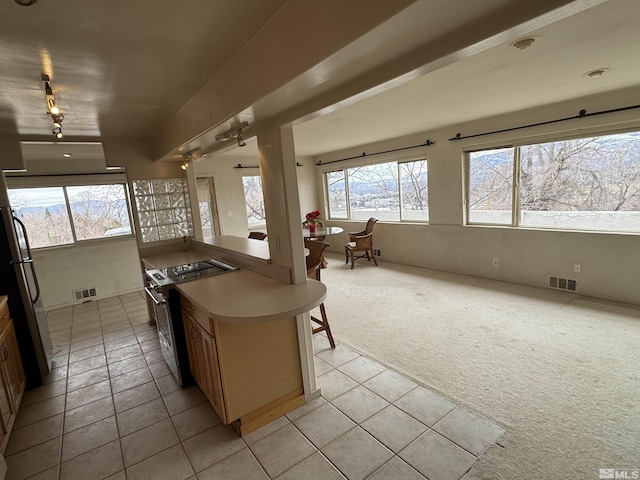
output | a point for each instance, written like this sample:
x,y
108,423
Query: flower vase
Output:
x,y
312,227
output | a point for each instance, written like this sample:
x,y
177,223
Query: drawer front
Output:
x,y
198,314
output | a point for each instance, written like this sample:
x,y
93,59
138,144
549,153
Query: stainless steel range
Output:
x,y
166,304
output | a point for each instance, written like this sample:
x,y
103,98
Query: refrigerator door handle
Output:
x,y
28,260
35,280
24,233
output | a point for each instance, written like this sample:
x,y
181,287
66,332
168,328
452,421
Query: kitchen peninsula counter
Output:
x,y
242,339
243,296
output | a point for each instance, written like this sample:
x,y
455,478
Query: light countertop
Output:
x,y
247,247
243,296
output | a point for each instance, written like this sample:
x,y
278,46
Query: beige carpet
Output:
x,y
560,372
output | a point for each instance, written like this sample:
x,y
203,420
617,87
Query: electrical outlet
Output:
x,y
496,262
577,268
401,250
376,252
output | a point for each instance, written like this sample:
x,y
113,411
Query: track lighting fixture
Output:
x,y
189,157
235,132
241,142
53,110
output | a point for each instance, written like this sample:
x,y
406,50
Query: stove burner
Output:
x,y
189,271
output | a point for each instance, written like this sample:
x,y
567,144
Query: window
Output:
x,y
205,195
337,190
163,208
99,211
491,186
64,214
587,183
391,191
254,200
414,204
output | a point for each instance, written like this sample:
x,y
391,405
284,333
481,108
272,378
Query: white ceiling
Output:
x,y
125,68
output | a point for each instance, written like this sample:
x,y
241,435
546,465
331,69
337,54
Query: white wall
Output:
x,y
230,193
113,267
610,261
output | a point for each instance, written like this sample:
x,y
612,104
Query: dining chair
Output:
x,y
314,264
361,242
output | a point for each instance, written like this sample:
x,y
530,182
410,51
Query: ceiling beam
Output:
x,y
299,36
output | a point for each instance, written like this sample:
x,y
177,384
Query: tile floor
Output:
x,y
111,410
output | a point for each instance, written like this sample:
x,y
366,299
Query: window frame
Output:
x,y
516,213
38,182
244,195
390,160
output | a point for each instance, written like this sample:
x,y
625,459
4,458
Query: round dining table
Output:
x,y
320,234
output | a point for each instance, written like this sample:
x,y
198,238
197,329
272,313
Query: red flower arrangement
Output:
x,y
313,217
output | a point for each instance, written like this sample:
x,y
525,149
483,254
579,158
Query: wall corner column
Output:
x,y
277,158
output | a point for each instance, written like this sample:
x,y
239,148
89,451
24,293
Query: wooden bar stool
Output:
x,y
314,263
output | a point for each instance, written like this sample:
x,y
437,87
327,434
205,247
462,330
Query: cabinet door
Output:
x,y
7,383
212,373
14,365
190,334
6,410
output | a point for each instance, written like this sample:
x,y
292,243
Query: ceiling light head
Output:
x,y
241,142
524,43
66,155
57,131
598,72
25,3
51,105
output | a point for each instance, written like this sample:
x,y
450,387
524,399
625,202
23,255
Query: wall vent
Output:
x,y
85,294
563,284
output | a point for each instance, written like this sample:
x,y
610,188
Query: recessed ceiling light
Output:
x,y
25,3
524,43
598,72
66,155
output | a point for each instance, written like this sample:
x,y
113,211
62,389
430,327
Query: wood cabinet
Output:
x,y
250,371
203,359
12,379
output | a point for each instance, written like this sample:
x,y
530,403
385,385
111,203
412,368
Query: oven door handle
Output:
x,y
163,341
152,295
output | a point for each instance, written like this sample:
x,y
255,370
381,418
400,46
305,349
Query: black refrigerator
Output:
x,y
19,282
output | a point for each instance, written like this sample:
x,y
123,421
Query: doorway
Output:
x,y
208,207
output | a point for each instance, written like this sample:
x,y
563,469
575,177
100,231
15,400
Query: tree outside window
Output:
x,y
254,200
390,191
587,183
337,192
97,211
414,188
490,186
